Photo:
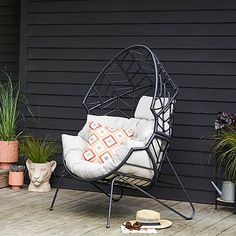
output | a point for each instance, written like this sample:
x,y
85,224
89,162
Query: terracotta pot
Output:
x,y
8,153
16,180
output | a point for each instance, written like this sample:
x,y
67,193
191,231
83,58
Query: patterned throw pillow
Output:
x,y
104,142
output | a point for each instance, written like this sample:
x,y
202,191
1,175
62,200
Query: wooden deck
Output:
x,y
84,213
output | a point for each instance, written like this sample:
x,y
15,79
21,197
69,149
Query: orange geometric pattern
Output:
x,y
104,142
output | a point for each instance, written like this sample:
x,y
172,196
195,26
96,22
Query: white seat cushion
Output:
x,y
143,111
143,129
74,146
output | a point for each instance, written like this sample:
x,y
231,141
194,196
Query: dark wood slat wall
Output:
x,y
9,35
68,42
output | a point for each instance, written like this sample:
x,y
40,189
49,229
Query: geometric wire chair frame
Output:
x,y
132,73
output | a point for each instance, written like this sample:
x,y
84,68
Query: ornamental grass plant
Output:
x,y
224,147
39,150
9,99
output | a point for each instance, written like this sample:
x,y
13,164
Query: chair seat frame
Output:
x,y
140,63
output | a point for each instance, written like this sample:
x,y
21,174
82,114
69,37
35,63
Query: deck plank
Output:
x,y
97,214
165,213
210,217
229,232
84,213
220,227
180,223
119,219
41,213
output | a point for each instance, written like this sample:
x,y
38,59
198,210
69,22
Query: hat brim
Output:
x,y
163,224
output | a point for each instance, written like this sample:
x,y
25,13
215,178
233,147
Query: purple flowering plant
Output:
x,y
224,144
225,120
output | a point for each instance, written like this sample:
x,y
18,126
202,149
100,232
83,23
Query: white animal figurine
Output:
x,y
40,174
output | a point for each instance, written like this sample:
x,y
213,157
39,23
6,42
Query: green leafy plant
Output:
x,y
39,150
224,147
9,99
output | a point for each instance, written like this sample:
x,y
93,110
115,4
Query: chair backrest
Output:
x,y
132,73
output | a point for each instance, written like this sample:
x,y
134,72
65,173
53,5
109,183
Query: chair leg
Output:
x,y
119,197
110,203
162,203
108,195
185,193
58,187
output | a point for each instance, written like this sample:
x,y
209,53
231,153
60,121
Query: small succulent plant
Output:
x,y
17,168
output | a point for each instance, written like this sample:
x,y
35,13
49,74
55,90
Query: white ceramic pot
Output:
x,y
40,174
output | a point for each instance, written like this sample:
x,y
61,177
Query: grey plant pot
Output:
x,y
228,191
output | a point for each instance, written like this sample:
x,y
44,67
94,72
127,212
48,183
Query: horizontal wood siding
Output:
x,y
9,35
69,42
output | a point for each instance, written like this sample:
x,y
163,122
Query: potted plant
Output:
x,y
9,99
16,176
38,153
224,147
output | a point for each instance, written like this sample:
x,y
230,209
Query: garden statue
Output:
x,y
39,174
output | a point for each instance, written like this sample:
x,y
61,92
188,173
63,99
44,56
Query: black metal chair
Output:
x,y
132,73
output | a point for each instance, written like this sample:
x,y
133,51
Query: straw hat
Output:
x,y
151,219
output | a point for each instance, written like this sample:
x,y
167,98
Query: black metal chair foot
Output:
x,y
58,187
110,203
118,198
